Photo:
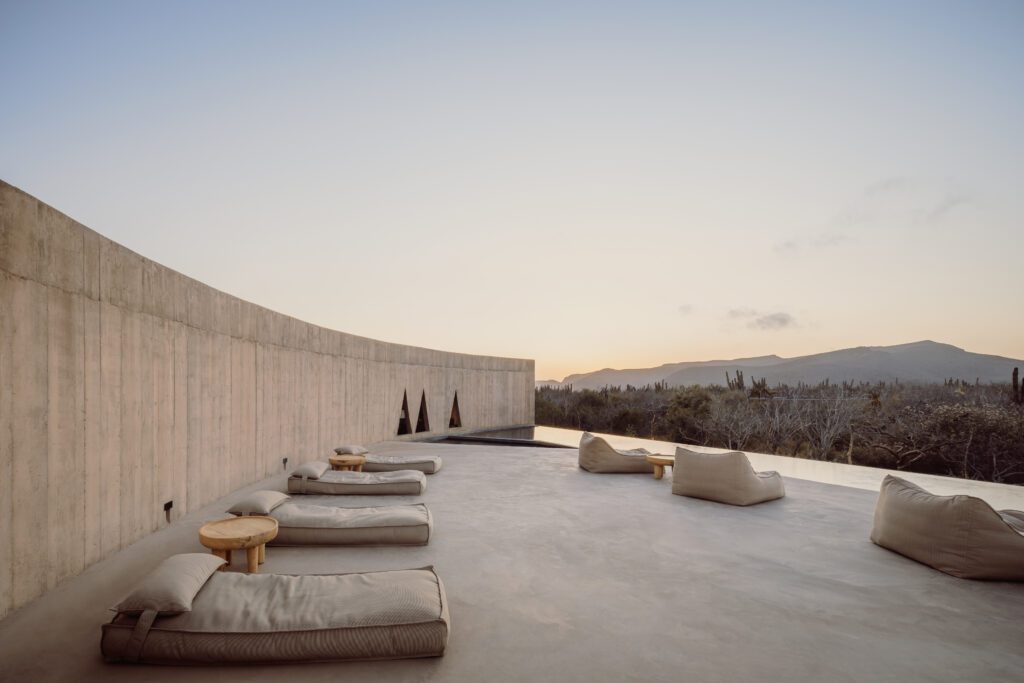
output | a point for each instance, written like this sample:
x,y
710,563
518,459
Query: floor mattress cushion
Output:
x,y
400,483
262,618
427,464
306,524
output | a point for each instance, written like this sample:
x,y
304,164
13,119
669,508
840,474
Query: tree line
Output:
x,y
958,429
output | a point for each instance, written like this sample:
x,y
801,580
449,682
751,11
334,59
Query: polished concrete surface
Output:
x,y
555,574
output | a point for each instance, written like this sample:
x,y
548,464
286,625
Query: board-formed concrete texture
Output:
x,y
556,574
125,385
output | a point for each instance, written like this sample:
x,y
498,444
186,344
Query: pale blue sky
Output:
x,y
587,184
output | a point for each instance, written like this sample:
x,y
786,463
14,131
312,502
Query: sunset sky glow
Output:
x,y
587,184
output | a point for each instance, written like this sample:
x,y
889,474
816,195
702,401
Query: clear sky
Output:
x,y
587,184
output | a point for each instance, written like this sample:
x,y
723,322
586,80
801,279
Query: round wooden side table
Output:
x,y
240,533
352,463
660,462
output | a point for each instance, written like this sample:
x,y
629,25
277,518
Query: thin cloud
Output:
x,y
741,313
886,185
685,309
834,239
889,203
772,321
903,201
946,205
825,240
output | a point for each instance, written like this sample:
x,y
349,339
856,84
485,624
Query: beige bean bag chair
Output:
x,y
427,464
186,612
597,455
959,535
308,524
318,478
723,477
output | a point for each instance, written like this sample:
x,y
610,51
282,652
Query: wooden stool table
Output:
x,y
240,533
353,463
660,462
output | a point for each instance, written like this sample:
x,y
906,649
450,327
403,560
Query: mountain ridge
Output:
x,y
925,362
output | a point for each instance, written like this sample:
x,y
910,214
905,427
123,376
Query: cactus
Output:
x,y
735,383
1017,395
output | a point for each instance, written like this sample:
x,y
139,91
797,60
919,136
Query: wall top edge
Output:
x,y
42,244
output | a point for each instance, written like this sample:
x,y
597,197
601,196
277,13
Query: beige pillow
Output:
x,y
258,503
171,587
351,450
311,470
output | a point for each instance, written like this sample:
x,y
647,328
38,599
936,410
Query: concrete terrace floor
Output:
x,y
555,574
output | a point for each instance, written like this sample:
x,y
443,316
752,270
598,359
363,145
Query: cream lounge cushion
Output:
x,y
258,503
307,524
172,586
597,455
959,535
400,483
311,470
310,524
723,477
262,618
427,464
351,450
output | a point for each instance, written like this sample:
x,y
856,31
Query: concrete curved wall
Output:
x,y
124,384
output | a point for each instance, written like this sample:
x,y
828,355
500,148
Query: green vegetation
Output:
x,y
955,429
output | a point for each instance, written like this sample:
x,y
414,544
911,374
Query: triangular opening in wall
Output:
x,y
423,421
455,420
404,424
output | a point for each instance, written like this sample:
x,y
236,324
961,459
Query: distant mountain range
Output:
x,y
922,362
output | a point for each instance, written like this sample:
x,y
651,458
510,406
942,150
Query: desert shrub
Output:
x,y
687,415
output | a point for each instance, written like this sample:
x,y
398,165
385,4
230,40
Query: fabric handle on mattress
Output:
x,y
133,648
302,489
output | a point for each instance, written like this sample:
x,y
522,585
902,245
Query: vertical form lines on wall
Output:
x,y
151,398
